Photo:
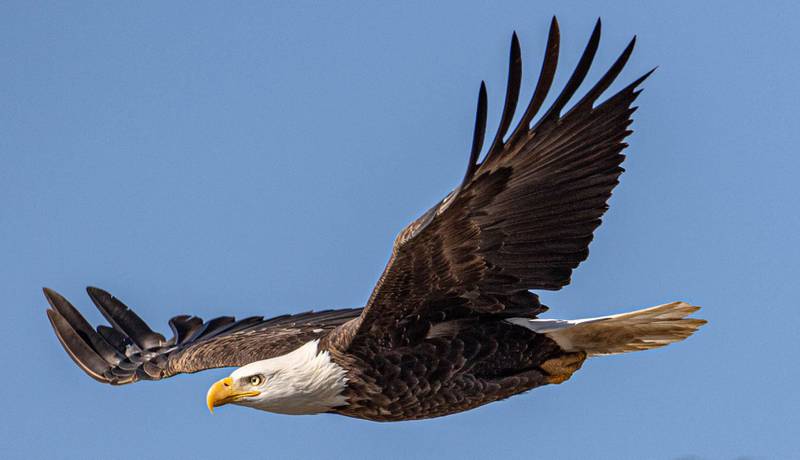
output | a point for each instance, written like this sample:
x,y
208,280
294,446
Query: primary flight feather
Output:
x,y
451,324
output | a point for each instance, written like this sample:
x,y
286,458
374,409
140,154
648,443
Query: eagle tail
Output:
x,y
644,329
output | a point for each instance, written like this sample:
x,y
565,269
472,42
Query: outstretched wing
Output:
x,y
130,351
524,216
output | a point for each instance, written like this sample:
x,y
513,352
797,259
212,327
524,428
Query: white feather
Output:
x,y
300,382
607,335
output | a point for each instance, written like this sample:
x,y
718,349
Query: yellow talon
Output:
x,y
560,369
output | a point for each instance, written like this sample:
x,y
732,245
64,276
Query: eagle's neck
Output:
x,y
304,381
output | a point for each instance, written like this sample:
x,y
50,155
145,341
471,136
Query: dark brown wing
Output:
x,y
129,350
523,217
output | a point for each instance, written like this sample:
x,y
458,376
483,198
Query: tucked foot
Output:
x,y
561,369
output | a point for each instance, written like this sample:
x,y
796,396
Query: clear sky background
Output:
x,y
258,158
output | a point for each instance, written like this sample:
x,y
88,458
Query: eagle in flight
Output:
x,y
451,324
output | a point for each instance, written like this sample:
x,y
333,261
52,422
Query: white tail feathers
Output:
x,y
607,335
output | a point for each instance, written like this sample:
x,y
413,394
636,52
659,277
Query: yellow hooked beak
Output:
x,y
223,392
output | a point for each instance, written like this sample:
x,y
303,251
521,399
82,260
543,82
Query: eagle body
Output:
x,y
478,362
452,323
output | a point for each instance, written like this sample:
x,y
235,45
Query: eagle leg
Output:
x,y
561,369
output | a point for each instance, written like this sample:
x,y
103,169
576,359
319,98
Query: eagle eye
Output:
x,y
255,380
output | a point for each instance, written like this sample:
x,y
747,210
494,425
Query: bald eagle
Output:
x,y
451,324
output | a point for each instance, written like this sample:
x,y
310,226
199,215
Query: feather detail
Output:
x,y
645,329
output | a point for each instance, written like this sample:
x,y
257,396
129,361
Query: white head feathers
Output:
x,y
301,382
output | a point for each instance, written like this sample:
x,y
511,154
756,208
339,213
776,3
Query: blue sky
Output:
x,y
257,158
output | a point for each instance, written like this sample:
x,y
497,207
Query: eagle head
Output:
x,y
304,381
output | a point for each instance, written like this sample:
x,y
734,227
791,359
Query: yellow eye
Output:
x,y
255,380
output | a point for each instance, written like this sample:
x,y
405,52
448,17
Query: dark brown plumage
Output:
x,y
433,338
130,351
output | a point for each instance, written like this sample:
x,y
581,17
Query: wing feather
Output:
x,y
512,93
124,320
130,351
522,218
478,135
